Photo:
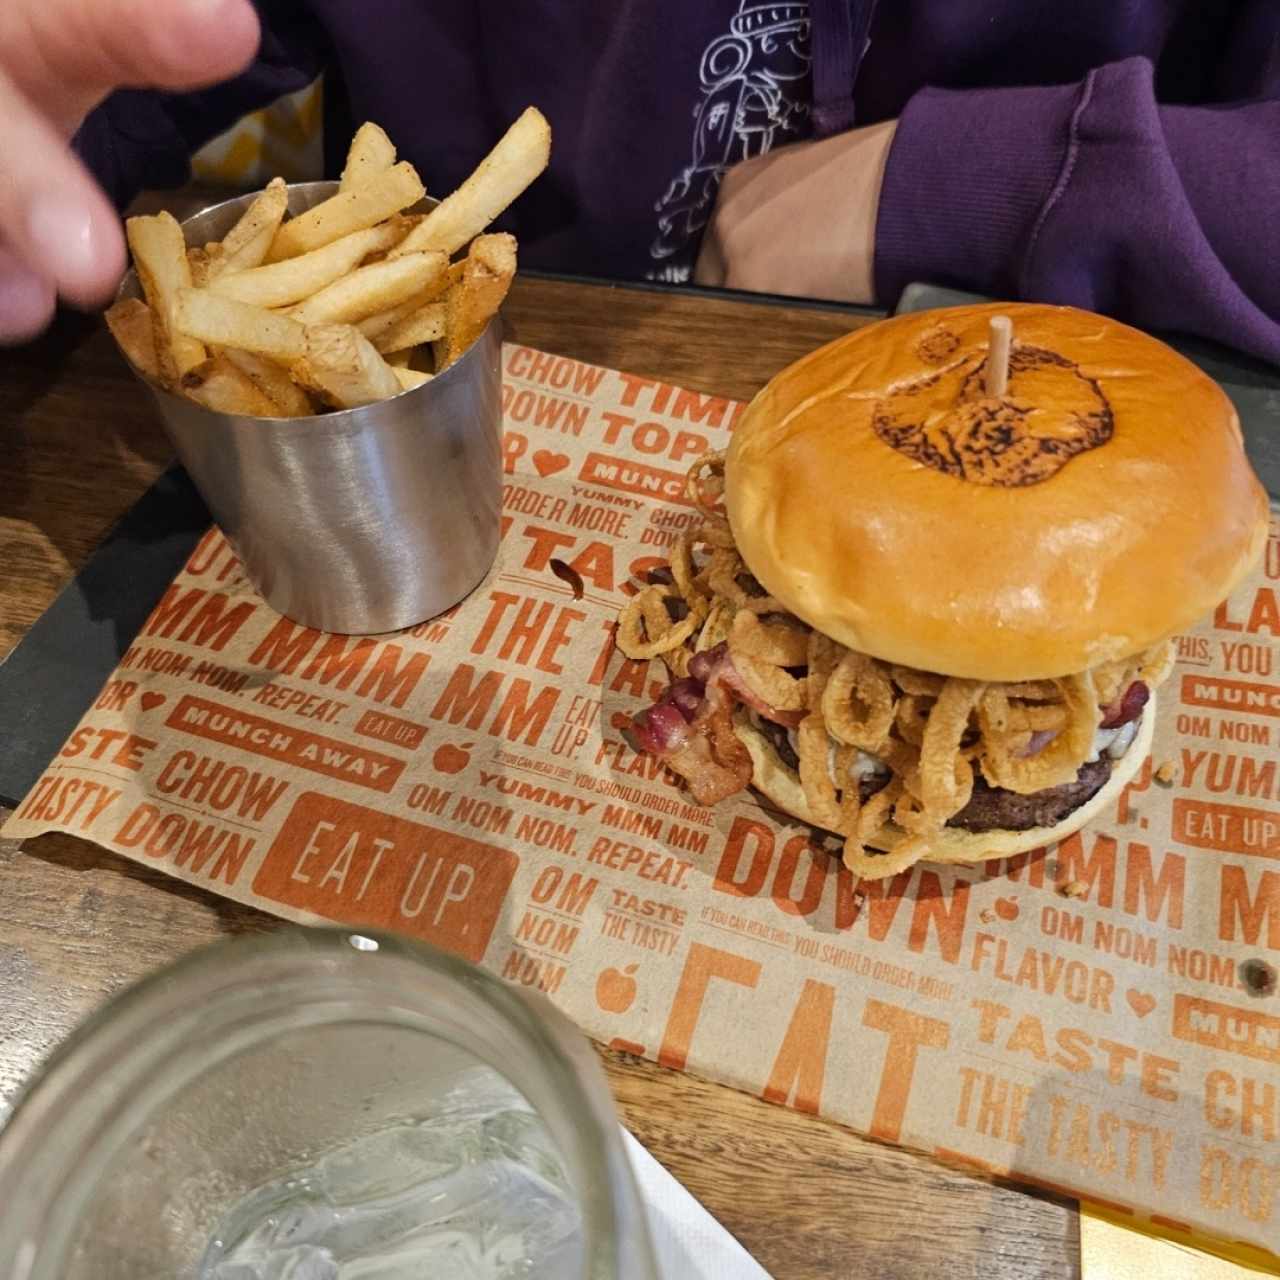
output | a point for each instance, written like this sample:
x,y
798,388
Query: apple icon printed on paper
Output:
x,y
452,759
616,989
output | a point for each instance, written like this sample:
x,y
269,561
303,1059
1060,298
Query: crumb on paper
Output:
x,y
1074,889
568,575
987,916
1166,772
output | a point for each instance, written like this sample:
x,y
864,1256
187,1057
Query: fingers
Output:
x,y
54,219
66,55
58,58
26,301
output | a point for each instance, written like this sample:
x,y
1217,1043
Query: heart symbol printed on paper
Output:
x,y
1007,908
1140,1002
548,463
151,700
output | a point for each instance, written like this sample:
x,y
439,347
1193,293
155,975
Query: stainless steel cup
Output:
x,y
362,521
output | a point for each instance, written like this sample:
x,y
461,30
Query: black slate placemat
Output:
x,y
61,663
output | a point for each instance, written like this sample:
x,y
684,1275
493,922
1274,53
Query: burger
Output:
x,y
932,588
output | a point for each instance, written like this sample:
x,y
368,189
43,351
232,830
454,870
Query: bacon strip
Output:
x,y
690,729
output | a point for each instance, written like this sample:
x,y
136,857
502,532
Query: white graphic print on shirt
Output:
x,y
755,95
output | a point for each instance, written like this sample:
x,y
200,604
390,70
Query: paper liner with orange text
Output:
x,y
1101,1018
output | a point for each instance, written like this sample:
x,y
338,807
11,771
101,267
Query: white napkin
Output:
x,y
689,1243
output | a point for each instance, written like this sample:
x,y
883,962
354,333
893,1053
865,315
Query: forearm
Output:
x,y
801,220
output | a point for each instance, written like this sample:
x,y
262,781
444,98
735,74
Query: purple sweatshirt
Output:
x,y
1121,155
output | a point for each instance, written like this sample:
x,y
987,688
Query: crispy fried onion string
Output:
x,y
876,813
705,483
912,716
693,590
920,684
1110,679
945,779
677,661
771,684
725,572
835,809
1033,690
646,629
716,533
716,627
780,641
1156,665
822,658
859,702
1003,765
1152,667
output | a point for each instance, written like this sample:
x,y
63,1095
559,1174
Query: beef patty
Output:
x,y
995,809
990,808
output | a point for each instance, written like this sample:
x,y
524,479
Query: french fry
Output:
x,y
280,284
520,156
344,305
245,245
405,223
370,152
366,205
273,381
409,379
131,325
200,261
425,324
218,384
160,259
440,289
487,274
341,366
375,326
372,289
225,322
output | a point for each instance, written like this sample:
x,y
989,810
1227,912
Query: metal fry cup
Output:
x,y
361,521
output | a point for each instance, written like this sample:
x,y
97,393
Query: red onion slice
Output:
x,y
1127,707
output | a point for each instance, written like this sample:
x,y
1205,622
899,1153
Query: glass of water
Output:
x,y
320,1105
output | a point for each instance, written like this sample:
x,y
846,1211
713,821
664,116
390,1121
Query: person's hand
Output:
x,y
59,234
801,220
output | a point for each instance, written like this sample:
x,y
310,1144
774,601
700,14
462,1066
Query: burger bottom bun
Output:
x,y
781,785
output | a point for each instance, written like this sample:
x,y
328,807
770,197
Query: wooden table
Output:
x,y
807,1198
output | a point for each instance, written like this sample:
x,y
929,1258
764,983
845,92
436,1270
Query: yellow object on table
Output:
x,y
1111,1249
284,139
